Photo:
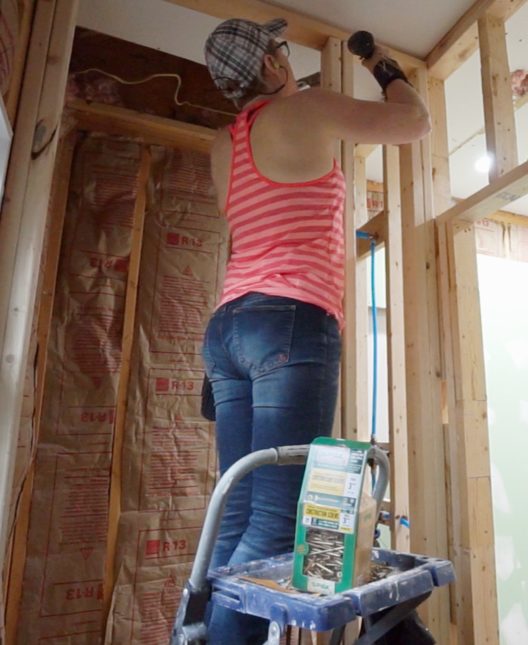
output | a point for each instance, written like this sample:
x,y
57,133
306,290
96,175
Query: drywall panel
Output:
x,y
505,321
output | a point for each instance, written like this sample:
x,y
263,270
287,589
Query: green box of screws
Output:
x,y
336,517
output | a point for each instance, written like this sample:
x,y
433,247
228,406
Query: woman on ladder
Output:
x,y
272,347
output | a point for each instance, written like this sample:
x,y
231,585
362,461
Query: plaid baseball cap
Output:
x,y
234,52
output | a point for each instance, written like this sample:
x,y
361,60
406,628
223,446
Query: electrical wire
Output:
x,y
149,78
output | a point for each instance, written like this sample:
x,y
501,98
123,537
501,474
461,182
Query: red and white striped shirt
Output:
x,y
286,238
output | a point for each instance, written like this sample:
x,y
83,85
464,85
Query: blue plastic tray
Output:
x,y
412,576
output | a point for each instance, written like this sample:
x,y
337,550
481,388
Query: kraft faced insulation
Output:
x,y
168,459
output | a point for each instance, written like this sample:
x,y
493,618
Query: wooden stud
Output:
x,y
58,204
331,70
442,201
114,510
331,64
499,117
147,128
399,486
439,146
355,336
359,316
473,551
462,40
27,8
24,215
425,433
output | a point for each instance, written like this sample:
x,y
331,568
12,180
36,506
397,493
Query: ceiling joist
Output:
x,y
302,29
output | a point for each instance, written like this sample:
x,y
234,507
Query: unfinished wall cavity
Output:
x,y
165,473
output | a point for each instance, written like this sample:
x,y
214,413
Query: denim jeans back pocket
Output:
x,y
262,335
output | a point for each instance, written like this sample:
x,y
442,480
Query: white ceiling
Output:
x,y
414,26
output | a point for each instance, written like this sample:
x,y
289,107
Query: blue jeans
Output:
x,y
274,368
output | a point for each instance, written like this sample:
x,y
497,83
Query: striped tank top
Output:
x,y
286,238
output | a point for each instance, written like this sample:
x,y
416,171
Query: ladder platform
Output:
x,y
410,576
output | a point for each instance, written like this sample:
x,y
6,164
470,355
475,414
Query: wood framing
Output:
x,y
331,78
301,28
147,128
499,117
26,8
354,410
441,474
25,212
425,433
127,339
376,228
58,206
492,198
399,486
473,549
462,40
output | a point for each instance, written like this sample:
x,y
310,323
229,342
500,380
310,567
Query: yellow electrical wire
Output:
x,y
148,78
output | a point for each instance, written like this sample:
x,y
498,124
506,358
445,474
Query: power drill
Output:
x,y
361,44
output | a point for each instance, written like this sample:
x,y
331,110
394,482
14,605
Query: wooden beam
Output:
x,y
473,534
27,8
505,9
425,431
302,29
439,146
331,74
355,337
361,313
442,201
461,41
146,128
399,484
57,212
513,219
24,215
376,227
127,340
499,116
494,197
331,79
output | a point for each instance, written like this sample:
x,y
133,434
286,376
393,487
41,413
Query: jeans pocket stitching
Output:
x,y
282,355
